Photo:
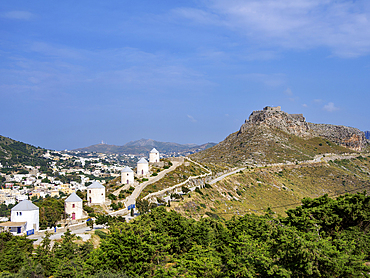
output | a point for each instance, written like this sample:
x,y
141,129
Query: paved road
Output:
x,y
225,175
78,232
182,183
317,159
138,189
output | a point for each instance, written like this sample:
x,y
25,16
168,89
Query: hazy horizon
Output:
x,y
74,74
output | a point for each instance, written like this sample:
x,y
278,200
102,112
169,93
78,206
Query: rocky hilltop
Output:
x,y
274,136
296,124
345,136
273,117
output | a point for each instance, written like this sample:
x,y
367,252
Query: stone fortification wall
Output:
x,y
269,108
345,136
177,159
294,124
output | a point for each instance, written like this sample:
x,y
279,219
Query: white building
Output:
x,y
142,167
73,206
24,219
96,193
153,156
127,175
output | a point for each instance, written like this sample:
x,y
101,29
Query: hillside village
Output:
x,y
35,185
69,174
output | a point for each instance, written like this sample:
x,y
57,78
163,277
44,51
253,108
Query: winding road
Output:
x,y
324,158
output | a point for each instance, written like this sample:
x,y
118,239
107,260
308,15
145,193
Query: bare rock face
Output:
x,y
296,124
345,136
273,117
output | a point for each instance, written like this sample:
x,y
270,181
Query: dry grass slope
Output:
x,y
180,174
262,144
254,190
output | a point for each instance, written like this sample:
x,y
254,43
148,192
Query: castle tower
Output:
x,y
153,156
142,167
73,206
96,193
127,175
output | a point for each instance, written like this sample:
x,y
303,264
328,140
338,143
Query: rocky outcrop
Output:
x,y
296,124
273,117
345,136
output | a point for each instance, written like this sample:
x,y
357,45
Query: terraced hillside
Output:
x,y
271,136
181,174
280,188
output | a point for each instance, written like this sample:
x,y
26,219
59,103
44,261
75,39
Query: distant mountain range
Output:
x,y
143,146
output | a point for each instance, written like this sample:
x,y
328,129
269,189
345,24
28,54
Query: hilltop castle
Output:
x,y
296,124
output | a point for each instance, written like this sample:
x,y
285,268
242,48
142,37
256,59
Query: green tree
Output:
x,y
14,251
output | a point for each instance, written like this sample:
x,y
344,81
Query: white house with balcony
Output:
x,y
24,219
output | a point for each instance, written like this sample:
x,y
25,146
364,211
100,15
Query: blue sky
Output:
x,y
74,73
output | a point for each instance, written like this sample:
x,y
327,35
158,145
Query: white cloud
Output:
x,y
304,105
129,72
197,15
330,107
21,15
272,80
288,92
55,50
342,26
192,118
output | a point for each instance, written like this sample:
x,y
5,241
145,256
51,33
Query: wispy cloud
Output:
x,y
192,118
330,107
342,26
288,92
20,15
62,68
197,15
272,80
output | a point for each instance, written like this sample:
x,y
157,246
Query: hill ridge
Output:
x,y
143,146
272,136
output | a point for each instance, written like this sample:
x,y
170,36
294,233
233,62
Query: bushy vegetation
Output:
x,y
5,210
13,153
322,238
124,193
51,211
